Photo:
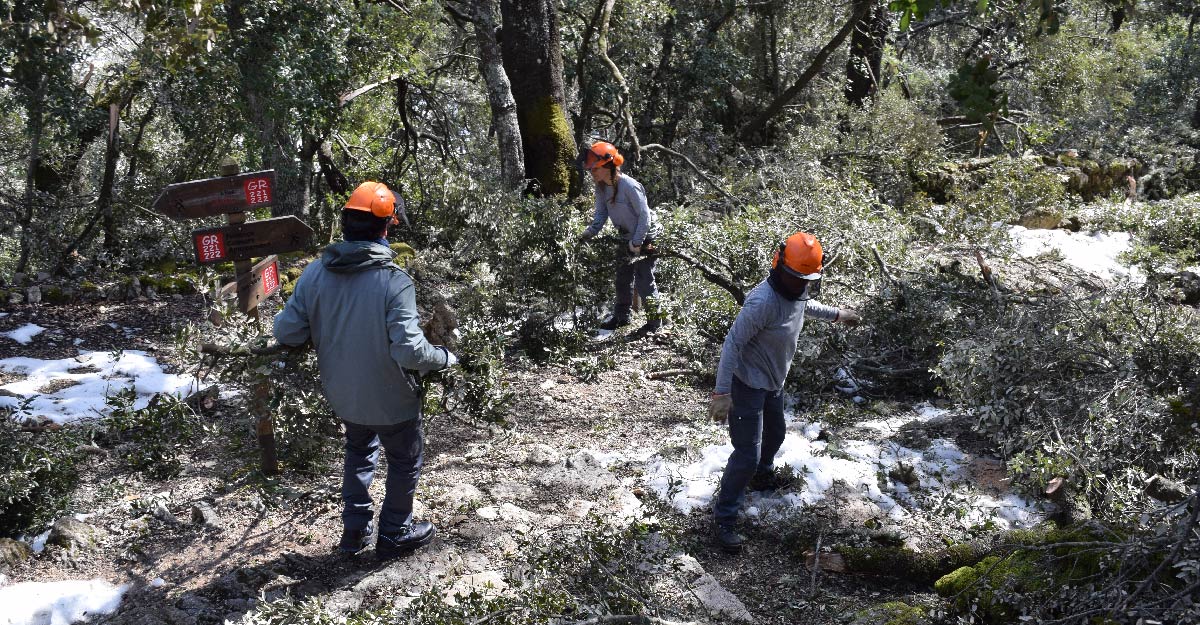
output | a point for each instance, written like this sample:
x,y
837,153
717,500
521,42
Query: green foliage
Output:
x,y
153,439
974,87
38,473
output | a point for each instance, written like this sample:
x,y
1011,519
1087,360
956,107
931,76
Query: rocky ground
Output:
x,y
217,541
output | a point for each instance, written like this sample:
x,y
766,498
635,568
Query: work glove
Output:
x,y
451,359
718,407
635,250
849,317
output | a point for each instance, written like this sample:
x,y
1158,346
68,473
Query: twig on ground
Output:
x,y
812,587
666,373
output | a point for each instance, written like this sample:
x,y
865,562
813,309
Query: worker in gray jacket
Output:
x,y
755,360
623,200
359,310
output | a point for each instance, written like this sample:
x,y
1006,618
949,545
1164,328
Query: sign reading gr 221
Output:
x,y
217,196
252,239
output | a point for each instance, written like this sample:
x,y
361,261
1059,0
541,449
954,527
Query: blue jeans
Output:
x,y
404,445
756,429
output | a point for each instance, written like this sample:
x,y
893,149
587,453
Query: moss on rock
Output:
x,y
905,563
891,613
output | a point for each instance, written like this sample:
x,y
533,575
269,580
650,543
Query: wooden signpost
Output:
x,y
253,239
217,196
240,241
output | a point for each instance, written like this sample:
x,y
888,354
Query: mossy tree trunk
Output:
x,y
530,46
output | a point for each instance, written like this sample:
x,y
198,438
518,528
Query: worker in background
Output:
x,y
623,200
755,360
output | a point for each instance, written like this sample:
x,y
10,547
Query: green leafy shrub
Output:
x,y
153,439
38,473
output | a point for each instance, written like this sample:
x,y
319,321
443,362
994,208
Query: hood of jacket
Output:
x,y
355,256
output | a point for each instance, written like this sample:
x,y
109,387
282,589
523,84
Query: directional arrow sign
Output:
x,y
256,286
251,239
217,196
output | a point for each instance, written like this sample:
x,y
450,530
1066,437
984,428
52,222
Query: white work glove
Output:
x,y
719,406
636,250
849,317
451,359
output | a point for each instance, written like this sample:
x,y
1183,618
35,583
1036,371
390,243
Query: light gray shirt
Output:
x,y
762,342
629,211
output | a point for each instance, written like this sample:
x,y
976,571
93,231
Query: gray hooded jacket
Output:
x,y
360,311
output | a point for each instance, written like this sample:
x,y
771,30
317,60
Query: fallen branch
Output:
x,y
667,373
712,183
633,619
988,276
709,274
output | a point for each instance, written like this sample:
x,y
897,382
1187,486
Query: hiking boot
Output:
x,y
728,539
354,541
769,481
650,326
393,545
615,321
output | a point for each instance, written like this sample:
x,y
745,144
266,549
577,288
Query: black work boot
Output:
x,y
619,318
728,539
768,481
354,541
393,545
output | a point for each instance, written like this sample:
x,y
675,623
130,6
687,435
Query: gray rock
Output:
x,y
33,294
18,279
13,553
162,513
462,496
204,516
543,455
73,534
1166,490
719,602
194,605
411,575
510,491
581,473
1041,218
16,298
42,276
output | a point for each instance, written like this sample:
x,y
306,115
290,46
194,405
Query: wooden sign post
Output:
x,y
241,242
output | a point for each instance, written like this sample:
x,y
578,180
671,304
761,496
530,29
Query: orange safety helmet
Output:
x,y
601,153
801,256
374,198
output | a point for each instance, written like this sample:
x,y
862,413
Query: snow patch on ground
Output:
x,y
1094,252
57,603
25,333
942,479
84,382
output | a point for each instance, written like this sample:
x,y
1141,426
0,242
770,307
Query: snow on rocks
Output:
x,y
57,603
77,388
1094,252
883,475
25,333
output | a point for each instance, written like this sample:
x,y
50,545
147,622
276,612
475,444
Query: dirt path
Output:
x,y
576,453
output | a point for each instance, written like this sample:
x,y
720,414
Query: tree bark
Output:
x,y
500,97
112,152
753,131
532,56
866,54
36,124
